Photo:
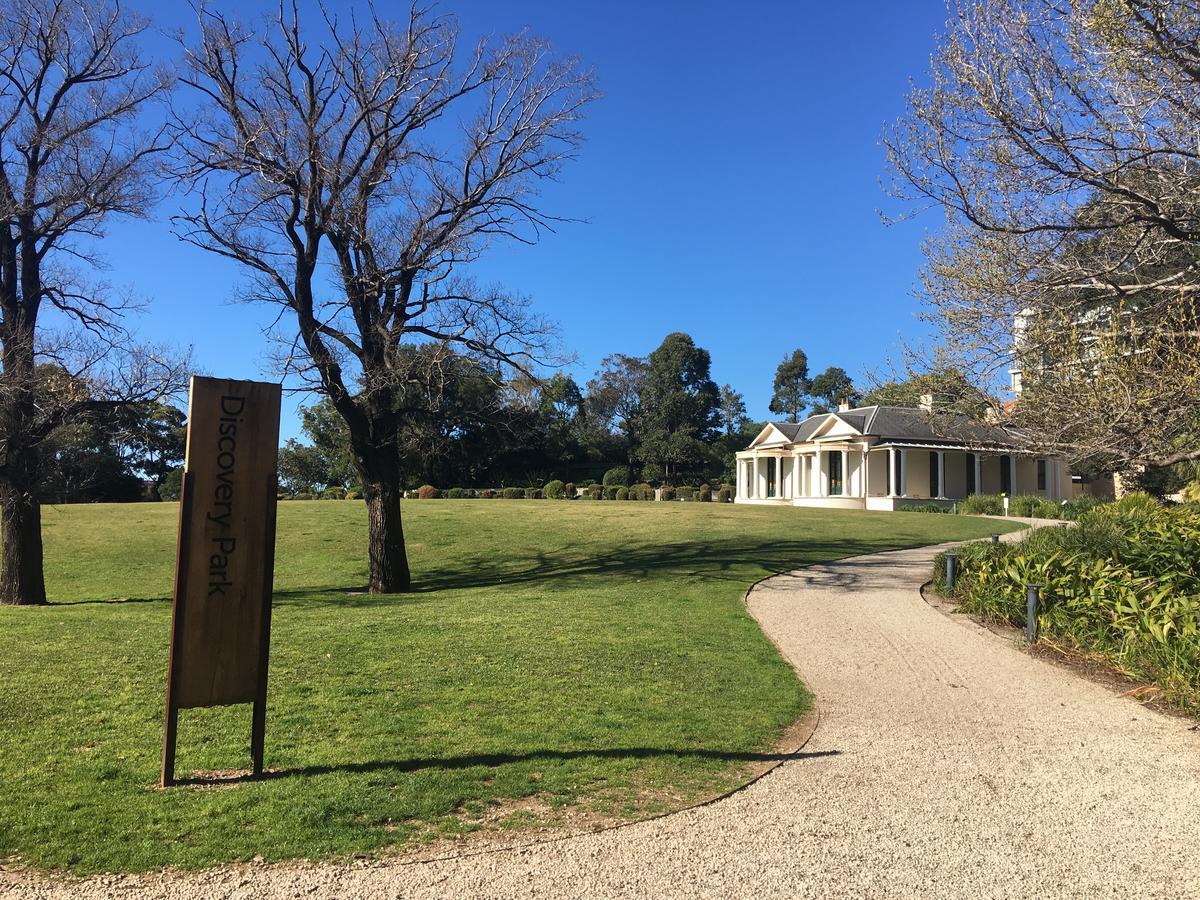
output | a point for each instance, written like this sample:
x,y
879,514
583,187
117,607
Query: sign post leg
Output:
x,y
168,755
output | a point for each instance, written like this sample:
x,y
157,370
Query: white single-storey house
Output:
x,y
886,457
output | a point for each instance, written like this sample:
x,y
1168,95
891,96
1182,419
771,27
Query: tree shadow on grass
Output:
x,y
494,760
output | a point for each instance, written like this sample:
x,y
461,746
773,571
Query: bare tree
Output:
x,y
72,154
1060,141
333,165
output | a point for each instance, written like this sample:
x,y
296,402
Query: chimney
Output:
x,y
927,402
844,406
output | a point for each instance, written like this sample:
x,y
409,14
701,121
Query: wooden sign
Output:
x,y
221,618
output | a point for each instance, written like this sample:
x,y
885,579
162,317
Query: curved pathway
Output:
x,y
947,762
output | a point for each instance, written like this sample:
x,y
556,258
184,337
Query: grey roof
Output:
x,y
908,424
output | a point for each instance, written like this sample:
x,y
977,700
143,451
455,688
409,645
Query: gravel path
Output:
x,y
947,763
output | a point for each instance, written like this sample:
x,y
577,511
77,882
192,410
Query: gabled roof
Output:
x,y
901,423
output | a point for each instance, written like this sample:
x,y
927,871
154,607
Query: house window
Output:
x,y
972,487
835,473
1041,466
771,476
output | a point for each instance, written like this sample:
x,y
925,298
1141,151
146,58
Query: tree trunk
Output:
x,y
386,555
21,579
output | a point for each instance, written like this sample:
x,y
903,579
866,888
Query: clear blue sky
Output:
x,y
730,182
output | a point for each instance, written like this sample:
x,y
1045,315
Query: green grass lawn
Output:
x,y
585,656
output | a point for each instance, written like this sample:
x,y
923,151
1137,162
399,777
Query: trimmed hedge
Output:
x,y
513,493
533,493
488,494
982,505
596,491
428,492
622,493
333,493
666,493
569,490
704,493
610,491
554,490
457,493
641,491
686,492
724,495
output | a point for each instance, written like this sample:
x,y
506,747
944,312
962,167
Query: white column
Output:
x,y
941,485
903,473
978,473
797,483
865,481
754,481
845,473
893,488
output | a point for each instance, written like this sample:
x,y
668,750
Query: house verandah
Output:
x,y
883,458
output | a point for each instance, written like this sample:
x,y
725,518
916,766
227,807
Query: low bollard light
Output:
x,y
995,538
951,565
1033,599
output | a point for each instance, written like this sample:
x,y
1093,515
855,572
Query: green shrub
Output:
x,y
554,490
922,508
704,493
333,493
666,493
622,493
457,493
724,495
596,491
982,505
513,493
170,487
587,495
617,476
685,492
1122,584
354,494
533,493
569,490
1081,503
587,482
428,492
302,496
641,491
488,494
610,491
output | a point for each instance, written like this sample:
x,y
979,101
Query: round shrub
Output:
x,y
457,493
596,491
554,490
617,476
533,493
622,493
685,492
487,494
704,493
724,495
513,493
354,494
666,493
569,490
639,492
428,492
333,493
586,495
610,491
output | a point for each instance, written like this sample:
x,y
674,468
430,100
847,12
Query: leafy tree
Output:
x,y
678,414
731,411
832,388
612,405
952,391
792,387
1058,141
